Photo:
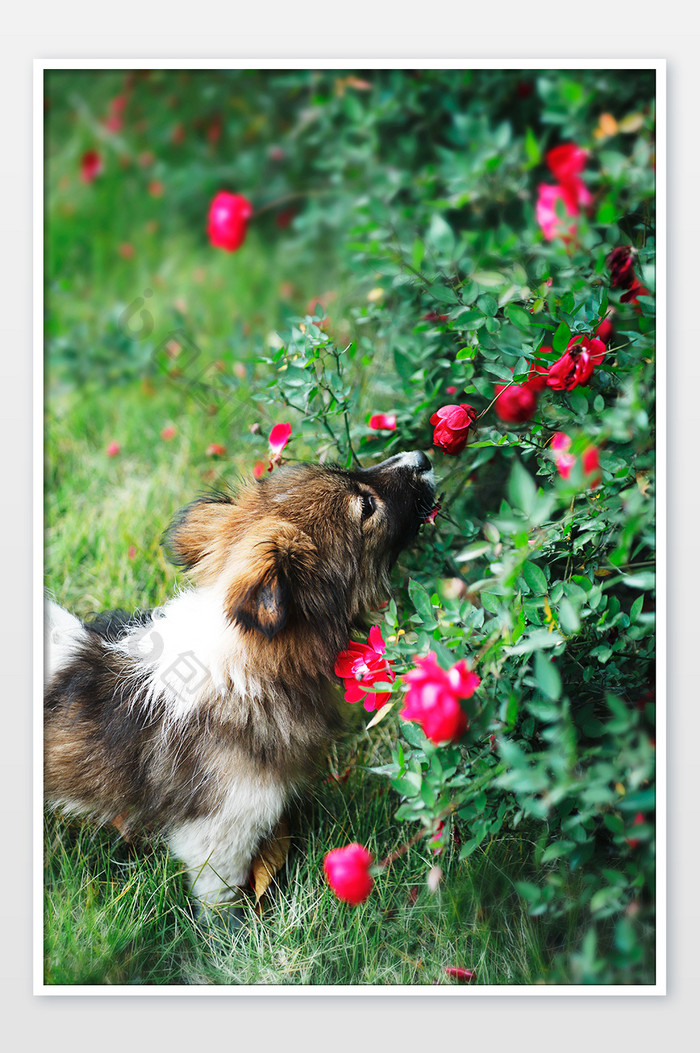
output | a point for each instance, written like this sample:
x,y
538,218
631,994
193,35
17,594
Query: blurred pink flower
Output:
x,y
228,220
564,461
279,437
169,432
215,449
545,210
90,166
383,421
347,873
113,449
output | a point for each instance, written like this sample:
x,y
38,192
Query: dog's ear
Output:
x,y
266,568
201,535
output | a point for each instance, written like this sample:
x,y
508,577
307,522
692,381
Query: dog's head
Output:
x,y
303,552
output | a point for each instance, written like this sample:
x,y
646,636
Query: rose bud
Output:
x,y
452,424
228,220
347,873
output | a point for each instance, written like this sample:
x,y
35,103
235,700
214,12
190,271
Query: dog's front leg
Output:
x,y
218,849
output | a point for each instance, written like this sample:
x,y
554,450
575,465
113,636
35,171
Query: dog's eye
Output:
x,y
369,506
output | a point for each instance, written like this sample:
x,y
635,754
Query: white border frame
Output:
x,y
40,67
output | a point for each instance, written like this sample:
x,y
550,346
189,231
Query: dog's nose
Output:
x,y
416,459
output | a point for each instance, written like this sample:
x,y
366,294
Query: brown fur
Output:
x,y
281,573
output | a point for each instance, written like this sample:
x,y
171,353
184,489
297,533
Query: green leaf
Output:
x,y
408,785
535,578
488,279
568,618
440,235
521,489
561,337
547,676
422,604
519,317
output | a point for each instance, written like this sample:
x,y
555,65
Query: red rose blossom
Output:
x,y
361,666
347,873
432,699
383,421
577,363
604,330
539,371
566,162
462,976
452,424
279,437
621,267
228,220
515,403
90,166
215,449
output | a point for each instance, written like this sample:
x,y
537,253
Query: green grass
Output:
x,y
119,915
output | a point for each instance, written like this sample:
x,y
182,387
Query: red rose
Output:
x,y
452,424
621,267
635,290
361,666
566,162
604,330
432,699
279,437
515,403
383,421
347,872
577,363
228,220
539,371
462,976
90,166
215,449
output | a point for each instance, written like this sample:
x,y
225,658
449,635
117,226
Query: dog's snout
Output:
x,y
422,462
416,460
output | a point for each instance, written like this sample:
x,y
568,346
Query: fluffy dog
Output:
x,y
199,720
